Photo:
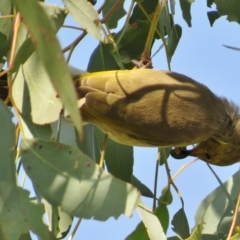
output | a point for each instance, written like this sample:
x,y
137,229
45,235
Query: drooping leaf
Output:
x,y
231,8
174,38
166,197
112,21
57,16
144,190
212,17
163,215
186,11
49,51
180,224
151,223
87,17
66,177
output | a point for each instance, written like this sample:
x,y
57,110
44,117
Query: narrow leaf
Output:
x,y
49,51
186,10
151,222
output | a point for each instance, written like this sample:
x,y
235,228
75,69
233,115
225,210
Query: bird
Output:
x,y
156,108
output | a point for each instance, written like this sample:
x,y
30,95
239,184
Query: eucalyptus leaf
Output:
x,y
50,54
87,17
180,224
69,179
112,21
186,11
213,207
17,214
151,222
231,8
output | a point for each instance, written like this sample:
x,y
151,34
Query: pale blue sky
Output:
x,y
201,56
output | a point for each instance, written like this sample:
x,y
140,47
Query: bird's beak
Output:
x,y
179,152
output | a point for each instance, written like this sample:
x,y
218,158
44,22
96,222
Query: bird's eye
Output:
x,y
208,156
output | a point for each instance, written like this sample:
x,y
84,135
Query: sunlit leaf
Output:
x,y
50,54
197,232
151,222
66,177
87,17
17,214
213,207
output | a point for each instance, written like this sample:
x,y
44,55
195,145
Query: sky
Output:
x,y
201,56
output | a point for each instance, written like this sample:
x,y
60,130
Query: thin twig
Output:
x,y
75,229
75,42
170,181
222,186
111,11
73,27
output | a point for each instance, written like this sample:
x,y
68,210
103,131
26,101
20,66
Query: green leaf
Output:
x,y
62,220
163,215
231,8
138,15
86,16
186,10
31,130
144,190
213,207
131,44
197,232
102,59
210,3
17,214
140,233
112,21
151,222
49,51
33,93
66,177
57,16
165,21
174,38
226,222
180,224
166,197
149,228
212,17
